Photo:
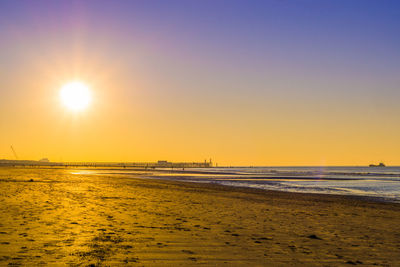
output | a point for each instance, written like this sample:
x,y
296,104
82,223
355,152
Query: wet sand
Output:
x,y
59,218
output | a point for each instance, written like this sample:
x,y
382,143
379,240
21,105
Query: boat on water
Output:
x,y
379,165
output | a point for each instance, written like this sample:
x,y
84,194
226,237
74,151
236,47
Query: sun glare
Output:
x,y
75,95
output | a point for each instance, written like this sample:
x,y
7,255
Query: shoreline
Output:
x,y
349,197
289,194
185,177
179,179
131,172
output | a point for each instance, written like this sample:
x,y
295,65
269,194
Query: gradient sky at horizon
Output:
x,y
241,82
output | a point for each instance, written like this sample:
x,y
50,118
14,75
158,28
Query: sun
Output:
x,y
75,95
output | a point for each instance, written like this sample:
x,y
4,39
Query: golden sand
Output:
x,y
61,218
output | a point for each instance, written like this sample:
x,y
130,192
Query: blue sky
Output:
x,y
241,64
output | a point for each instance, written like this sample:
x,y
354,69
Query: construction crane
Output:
x,y
15,153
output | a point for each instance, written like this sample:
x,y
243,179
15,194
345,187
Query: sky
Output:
x,y
241,82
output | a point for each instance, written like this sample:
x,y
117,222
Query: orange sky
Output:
x,y
129,121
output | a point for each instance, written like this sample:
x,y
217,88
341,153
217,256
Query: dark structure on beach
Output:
x,y
159,164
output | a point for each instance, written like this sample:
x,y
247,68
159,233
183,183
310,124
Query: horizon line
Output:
x,y
165,162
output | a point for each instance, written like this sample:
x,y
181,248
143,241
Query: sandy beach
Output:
x,y
54,217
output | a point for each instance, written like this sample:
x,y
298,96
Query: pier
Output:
x,y
159,164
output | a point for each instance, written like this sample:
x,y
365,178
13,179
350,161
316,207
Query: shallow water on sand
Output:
x,y
361,181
